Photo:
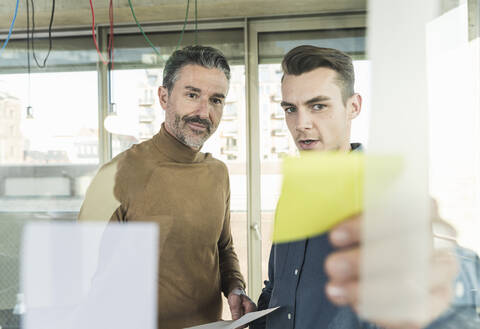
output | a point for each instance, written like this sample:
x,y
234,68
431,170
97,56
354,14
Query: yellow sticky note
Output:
x,y
321,189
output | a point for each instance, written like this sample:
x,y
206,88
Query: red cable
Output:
x,y
94,37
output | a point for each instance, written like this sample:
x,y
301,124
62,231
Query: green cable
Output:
x,y
196,24
141,29
184,25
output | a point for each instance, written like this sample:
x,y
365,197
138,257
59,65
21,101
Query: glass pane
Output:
x,y
67,54
455,123
139,114
272,46
133,51
275,139
47,159
47,155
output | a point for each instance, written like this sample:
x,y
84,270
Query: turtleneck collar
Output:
x,y
174,149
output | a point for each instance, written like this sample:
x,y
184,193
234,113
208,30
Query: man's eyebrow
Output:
x,y
198,90
309,102
317,99
286,104
195,89
218,95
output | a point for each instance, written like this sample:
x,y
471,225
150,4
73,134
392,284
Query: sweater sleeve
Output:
x,y
231,277
100,201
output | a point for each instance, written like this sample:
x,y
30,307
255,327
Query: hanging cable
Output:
x,y
110,37
196,23
105,62
183,29
50,42
11,27
141,28
184,25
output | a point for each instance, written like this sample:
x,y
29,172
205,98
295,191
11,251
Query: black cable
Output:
x,y
50,42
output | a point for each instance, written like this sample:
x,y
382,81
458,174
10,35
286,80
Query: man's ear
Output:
x,y
163,97
354,105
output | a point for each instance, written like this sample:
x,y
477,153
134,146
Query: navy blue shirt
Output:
x,y
297,282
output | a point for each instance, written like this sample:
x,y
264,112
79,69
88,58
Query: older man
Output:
x,y
167,180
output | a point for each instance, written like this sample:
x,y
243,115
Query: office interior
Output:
x,y
85,90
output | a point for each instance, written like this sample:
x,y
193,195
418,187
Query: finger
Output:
x,y
443,270
343,266
346,233
235,304
439,300
248,305
343,294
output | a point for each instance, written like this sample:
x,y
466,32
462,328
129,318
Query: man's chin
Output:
x,y
195,141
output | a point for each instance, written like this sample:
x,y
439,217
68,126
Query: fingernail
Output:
x,y
336,291
340,236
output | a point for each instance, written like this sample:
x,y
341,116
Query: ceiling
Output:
x,y
76,13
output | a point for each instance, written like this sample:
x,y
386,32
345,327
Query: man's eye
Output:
x,y
192,95
216,101
319,107
290,109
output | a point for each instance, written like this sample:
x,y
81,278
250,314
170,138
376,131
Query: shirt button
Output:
x,y
289,316
459,290
296,272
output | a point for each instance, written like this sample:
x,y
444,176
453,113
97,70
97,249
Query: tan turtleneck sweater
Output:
x,y
187,193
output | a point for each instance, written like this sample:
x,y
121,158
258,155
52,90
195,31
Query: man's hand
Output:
x,y
343,270
240,304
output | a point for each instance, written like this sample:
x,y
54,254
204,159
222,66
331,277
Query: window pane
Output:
x,y
453,82
273,46
132,51
67,54
48,155
47,159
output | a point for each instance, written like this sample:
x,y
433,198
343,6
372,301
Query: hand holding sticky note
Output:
x,y
320,190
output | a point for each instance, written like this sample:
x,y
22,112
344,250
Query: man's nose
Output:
x,y
203,108
304,121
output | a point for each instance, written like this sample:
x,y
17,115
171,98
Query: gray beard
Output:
x,y
185,139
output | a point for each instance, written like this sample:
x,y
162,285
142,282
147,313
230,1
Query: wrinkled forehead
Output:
x,y
211,80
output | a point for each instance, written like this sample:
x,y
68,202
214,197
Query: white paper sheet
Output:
x,y
247,318
78,276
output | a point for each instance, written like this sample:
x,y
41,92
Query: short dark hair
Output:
x,y
303,59
197,55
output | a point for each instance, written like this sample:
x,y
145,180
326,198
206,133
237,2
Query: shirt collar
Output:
x,y
356,147
174,149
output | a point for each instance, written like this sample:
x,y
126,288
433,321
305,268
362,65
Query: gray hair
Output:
x,y
207,57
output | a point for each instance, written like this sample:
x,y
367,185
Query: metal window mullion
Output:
x,y
104,138
253,164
